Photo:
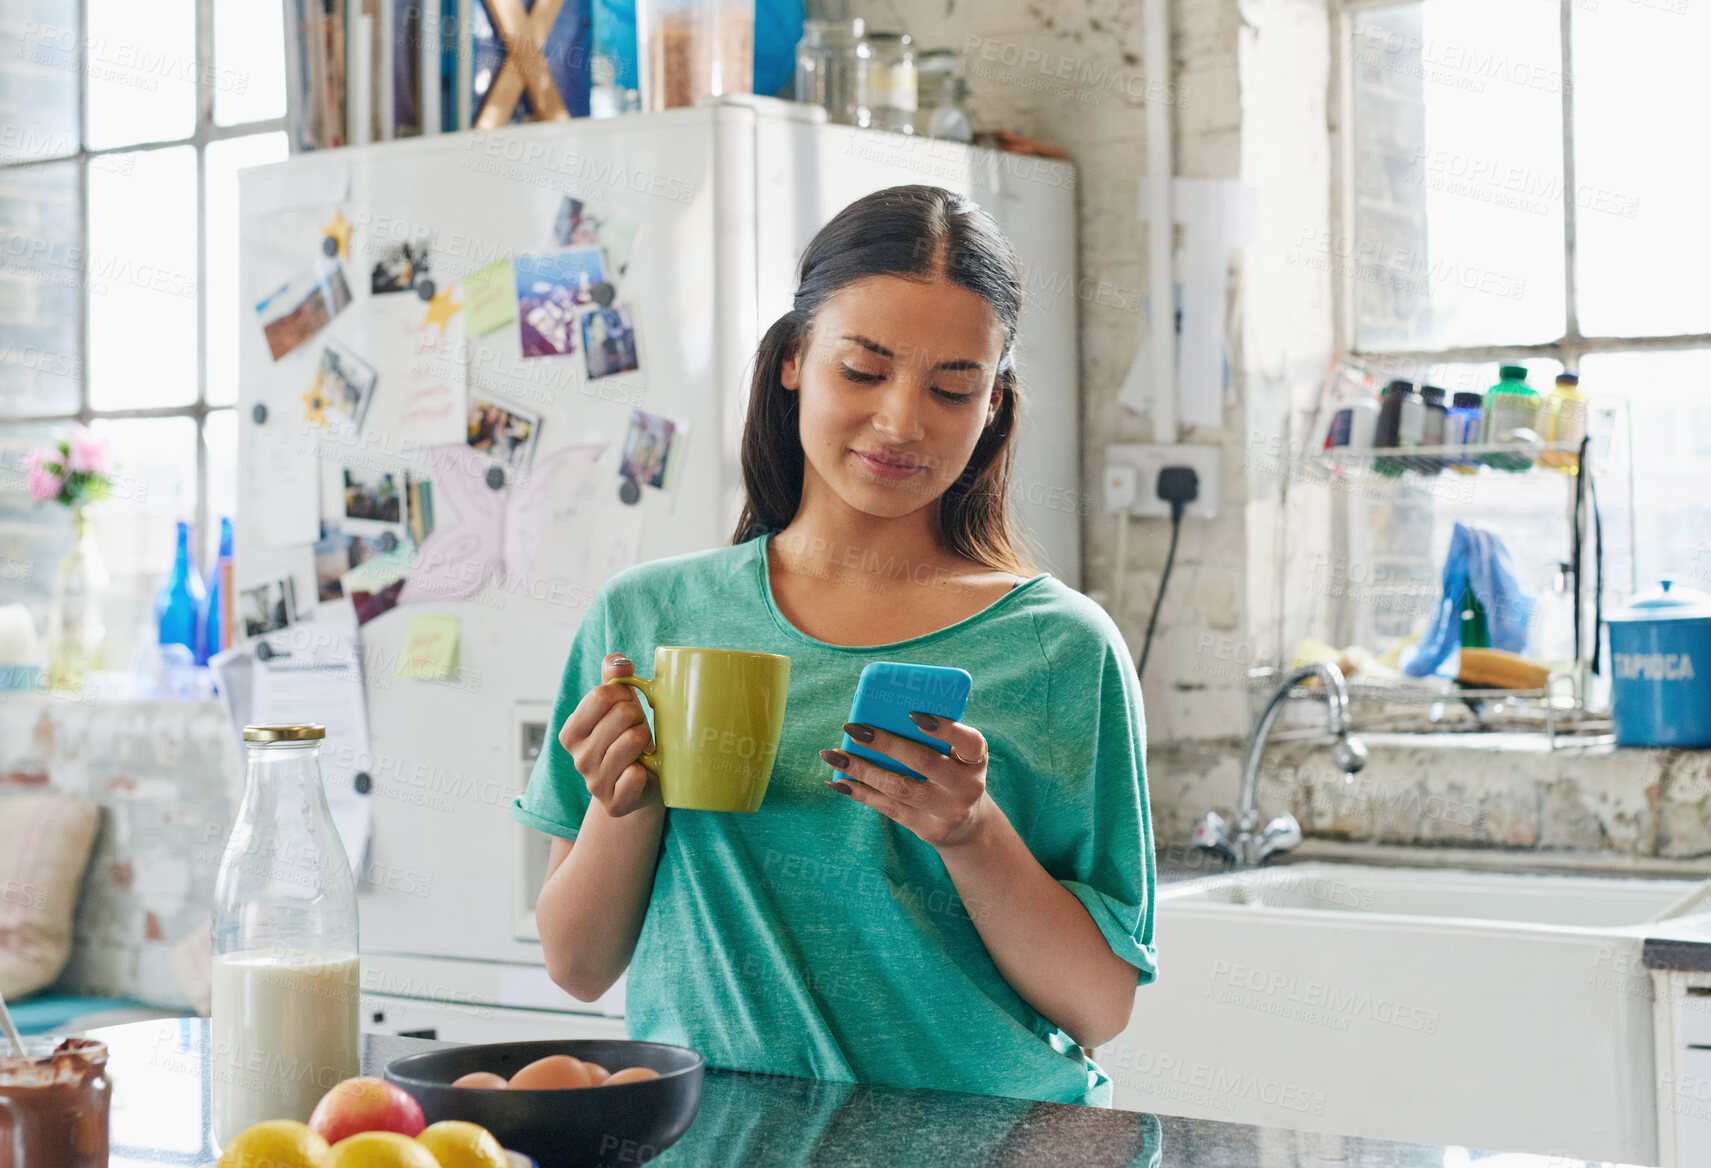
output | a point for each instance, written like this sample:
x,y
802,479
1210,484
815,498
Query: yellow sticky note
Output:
x,y
490,297
430,648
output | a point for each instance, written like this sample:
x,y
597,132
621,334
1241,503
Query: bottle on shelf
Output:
x,y
180,601
1463,426
1511,411
1350,421
1437,424
1550,628
1401,423
1562,422
216,611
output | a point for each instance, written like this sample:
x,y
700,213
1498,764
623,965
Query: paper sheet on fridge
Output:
x,y
1217,215
314,674
421,379
283,483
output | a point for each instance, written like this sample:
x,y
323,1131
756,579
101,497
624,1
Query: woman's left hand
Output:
x,y
948,809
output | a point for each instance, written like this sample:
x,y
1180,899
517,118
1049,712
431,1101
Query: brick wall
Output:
x,y
168,779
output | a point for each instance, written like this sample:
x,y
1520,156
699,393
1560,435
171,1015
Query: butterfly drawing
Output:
x,y
496,532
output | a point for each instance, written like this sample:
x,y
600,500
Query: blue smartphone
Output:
x,y
888,690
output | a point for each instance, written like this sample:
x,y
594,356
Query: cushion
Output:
x,y
44,846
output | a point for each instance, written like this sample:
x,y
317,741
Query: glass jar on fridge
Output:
x,y
832,68
691,49
891,98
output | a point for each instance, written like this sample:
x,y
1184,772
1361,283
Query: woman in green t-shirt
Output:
x,y
859,928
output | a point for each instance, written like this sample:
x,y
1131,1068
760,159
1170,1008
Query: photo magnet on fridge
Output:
x,y
580,224
552,290
344,385
650,449
402,267
268,607
609,341
302,306
374,503
503,432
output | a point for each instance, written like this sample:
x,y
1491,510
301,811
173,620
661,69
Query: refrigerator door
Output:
x,y
443,874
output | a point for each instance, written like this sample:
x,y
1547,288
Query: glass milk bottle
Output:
x,y
285,980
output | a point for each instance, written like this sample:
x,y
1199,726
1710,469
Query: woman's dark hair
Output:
x,y
918,232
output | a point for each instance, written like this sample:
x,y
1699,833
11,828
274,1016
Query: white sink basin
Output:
x,y
1489,1010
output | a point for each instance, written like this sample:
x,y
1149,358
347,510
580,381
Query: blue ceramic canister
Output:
x,y
1660,651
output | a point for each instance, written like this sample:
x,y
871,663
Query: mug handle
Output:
x,y
648,758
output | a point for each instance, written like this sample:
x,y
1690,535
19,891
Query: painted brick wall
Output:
x,y
168,779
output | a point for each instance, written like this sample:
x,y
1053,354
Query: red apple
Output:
x,y
360,1105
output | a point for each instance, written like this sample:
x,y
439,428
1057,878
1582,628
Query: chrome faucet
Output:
x,y
1245,849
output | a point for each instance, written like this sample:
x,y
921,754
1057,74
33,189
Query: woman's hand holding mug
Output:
x,y
605,735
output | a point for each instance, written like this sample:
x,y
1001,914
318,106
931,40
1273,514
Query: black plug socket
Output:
x,y
1179,486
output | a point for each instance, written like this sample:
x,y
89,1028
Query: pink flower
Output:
x,y
87,449
44,484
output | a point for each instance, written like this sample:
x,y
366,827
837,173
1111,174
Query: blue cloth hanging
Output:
x,y
1480,562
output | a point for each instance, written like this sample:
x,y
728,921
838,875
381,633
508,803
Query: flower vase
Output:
x,y
77,627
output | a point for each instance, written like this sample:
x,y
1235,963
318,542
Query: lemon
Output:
x,y
373,1149
456,1144
275,1143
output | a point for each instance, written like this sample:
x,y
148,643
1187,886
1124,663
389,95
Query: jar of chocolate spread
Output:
x,y
54,1102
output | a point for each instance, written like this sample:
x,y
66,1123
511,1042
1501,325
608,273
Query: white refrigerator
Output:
x,y
699,217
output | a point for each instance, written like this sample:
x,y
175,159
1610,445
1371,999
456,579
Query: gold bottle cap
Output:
x,y
298,733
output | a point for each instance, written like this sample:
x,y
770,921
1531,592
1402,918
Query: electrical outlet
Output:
x,y
1122,484
1149,460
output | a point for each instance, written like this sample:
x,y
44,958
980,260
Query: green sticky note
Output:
x,y
430,648
490,297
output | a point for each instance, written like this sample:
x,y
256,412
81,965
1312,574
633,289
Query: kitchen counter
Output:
x,y
160,1116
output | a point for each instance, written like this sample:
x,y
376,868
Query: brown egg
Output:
x,y
597,1074
631,1075
486,1079
554,1072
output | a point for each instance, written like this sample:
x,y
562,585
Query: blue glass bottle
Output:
x,y
213,638
180,601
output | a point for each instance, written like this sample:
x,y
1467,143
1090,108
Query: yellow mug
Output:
x,y
718,716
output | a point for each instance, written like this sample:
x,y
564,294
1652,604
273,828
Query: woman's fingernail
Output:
x,y
840,788
620,659
924,721
836,758
859,732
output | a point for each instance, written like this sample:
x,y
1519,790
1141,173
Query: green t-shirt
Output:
x,y
819,938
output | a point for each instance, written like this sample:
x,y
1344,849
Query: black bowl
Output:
x,y
580,1127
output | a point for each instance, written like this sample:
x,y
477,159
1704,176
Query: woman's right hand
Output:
x,y
605,735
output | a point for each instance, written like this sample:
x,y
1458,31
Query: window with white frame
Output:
x,y
122,126
1524,182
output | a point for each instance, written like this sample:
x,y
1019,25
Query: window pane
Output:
x,y
142,281
154,487
33,536
221,432
1458,175
38,80
1642,114
1669,396
41,302
224,160
142,67
249,55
